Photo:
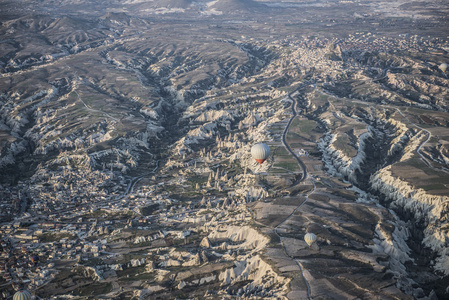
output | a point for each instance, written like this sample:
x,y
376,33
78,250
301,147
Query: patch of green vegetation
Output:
x,y
292,136
280,151
319,97
275,170
49,237
95,261
172,188
304,126
291,166
198,179
149,209
93,289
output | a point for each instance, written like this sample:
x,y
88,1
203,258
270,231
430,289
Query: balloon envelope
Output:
x,y
443,67
22,295
260,152
310,238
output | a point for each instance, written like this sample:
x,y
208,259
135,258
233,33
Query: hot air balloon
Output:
x,y
260,152
22,295
34,259
310,238
443,67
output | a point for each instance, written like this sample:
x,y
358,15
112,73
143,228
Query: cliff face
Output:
x,y
399,159
337,161
425,214
430,210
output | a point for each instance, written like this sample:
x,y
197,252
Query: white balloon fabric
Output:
x,y
22,295
260,152
310,238
443,67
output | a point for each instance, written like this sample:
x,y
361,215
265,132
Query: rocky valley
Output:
x,y
126,130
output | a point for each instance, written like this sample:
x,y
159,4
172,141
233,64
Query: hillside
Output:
x,y
126,130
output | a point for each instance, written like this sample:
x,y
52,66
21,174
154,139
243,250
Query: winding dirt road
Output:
x,y
304,177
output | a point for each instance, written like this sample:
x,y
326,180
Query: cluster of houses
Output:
x,y
27,252
370,42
